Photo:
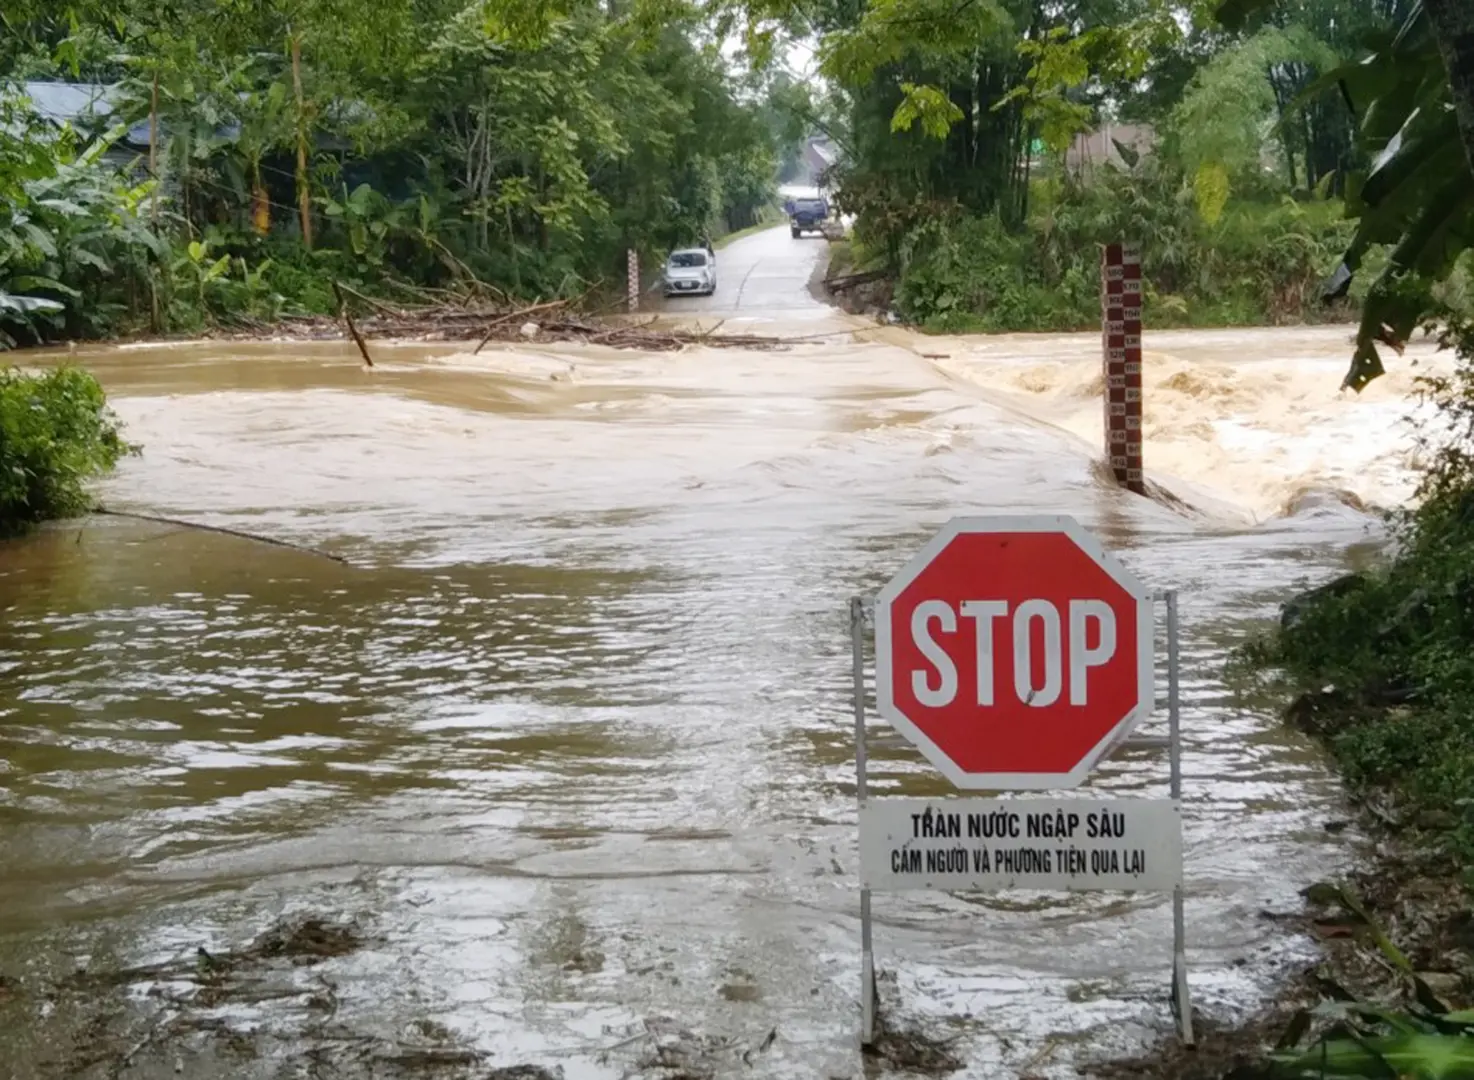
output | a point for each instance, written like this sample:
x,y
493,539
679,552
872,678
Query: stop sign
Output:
x,y
1014,652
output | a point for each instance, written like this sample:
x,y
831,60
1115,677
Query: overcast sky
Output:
x,y
797,57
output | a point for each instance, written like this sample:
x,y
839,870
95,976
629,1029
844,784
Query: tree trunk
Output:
x,y
304,194
962,130
153,150
260,202
1453,28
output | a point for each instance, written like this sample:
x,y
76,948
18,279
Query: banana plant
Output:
x,y
70,227
1383,1044
1425,1041
1418,195
370,220
265,126
200,271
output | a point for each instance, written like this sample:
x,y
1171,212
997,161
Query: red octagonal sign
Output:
x,y
1014,652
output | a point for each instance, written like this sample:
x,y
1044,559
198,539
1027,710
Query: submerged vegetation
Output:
x,y
56,435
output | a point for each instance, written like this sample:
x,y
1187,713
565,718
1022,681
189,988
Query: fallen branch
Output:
x,y
483,325
103,511
156,1030
849,281
348,318
379,304
478,286
435,297
511,315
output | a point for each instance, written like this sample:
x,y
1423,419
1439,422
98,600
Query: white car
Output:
x,y
690,271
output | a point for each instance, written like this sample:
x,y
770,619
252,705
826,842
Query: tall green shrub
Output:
x,y
56,435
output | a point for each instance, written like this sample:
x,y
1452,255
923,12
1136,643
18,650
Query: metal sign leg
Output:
x,y
1181,997
867,955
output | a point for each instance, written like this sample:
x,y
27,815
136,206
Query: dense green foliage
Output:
x,y
1382,659
395,145
1258,262
950,113
1427,1040
1236,203
1412,90
56,434
74,251
1417,196
517,147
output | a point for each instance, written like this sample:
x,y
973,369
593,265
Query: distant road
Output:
x,y
762,274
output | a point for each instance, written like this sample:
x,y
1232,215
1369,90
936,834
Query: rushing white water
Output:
x,y
1253,416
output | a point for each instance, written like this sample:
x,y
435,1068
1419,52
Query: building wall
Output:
x,y
1096,147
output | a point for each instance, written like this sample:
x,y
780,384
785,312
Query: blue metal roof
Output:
x,y
95,102
71,103
64,102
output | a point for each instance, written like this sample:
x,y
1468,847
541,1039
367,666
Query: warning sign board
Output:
x,y
1014,652
1069,845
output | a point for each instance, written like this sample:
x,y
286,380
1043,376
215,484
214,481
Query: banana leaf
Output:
x,y
1395,304
1396,1057
26,305
1418,195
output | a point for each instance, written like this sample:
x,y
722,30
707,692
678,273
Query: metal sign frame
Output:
x,y
862,612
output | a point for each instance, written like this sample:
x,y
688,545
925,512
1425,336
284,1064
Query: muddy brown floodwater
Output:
x,y
567,740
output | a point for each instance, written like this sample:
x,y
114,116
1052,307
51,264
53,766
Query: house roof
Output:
x,y
72,103
84,103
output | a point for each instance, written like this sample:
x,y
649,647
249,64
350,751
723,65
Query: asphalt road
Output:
x,y
764,274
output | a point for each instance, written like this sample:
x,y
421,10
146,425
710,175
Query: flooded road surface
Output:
x,y
570,730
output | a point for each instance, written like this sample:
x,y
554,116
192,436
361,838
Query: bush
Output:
x,y
974,276
1257,262
1383,661
56,434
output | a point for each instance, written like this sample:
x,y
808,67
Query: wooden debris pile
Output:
x,y
553,320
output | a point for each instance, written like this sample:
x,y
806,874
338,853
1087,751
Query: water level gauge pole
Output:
x,y
1120,309
633,269
867,955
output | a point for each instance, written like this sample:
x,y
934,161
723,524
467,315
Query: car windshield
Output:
x,y
684,259
815,205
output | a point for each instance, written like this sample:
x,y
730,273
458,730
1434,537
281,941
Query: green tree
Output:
x,y
465,143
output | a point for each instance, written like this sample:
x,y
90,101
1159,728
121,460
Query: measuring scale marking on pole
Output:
x,y
1015,653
